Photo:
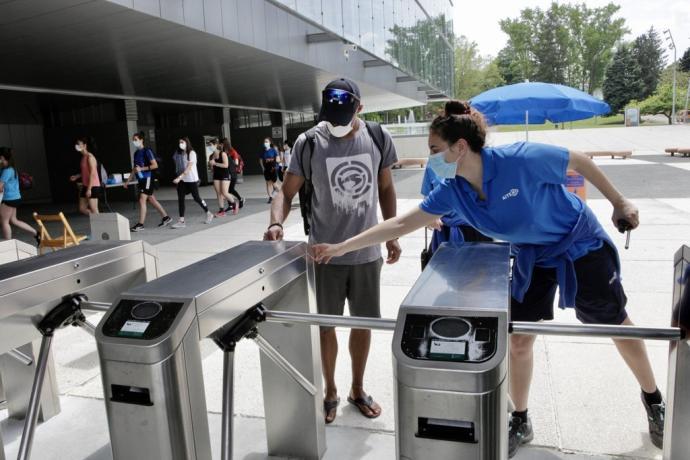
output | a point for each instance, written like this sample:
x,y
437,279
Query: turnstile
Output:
x,y
31,288
151,364
450,355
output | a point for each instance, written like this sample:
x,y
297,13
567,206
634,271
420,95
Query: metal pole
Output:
x,y
90,328
228,383
21,357
686,117
675,67
353,322
95,306
598,330
526,125
280,361
32,413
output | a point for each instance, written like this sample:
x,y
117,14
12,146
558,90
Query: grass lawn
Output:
x,y
596,122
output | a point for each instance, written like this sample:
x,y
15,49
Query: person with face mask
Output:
x,y
90,182
350,176
269,164
144,163
516,193
188,182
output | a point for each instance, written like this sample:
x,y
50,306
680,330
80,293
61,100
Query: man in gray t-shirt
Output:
x,y
350,176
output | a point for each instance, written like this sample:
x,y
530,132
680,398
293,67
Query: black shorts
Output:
x,y
600,296
146,186
12,203
270,174
222,174
96,192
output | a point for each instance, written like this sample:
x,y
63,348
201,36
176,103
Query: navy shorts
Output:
x,y
146,185
600,296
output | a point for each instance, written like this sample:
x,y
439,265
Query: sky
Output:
x,y
478,20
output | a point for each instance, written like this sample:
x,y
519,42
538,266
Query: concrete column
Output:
x,y
225,129
132,117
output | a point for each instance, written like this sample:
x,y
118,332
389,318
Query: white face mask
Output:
x,y
137,144
183,146
267,145
78,148
339,131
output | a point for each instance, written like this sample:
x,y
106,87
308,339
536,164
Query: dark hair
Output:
x,y
8,154
460,121
227,147
90,143
288,143
189,145
140,135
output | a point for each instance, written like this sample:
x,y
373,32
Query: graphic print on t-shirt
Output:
x,y
351,181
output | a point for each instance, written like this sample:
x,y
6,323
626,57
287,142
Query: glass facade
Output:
x,y
414,35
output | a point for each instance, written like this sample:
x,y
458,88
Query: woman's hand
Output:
x,y
437,225
88,192
323,253
176,180
73,178
625,210
212,163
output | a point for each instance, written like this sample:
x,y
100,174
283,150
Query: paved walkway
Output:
x,y
584,402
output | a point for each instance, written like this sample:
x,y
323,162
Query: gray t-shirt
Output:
x,y
344,173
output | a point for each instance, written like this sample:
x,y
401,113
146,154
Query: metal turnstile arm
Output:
x,y
280,361
21,357
597,330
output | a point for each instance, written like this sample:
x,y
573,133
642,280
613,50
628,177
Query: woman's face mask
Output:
x,y
183,146
267,145
78,148
438,164
137,143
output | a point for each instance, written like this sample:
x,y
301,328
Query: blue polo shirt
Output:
x,y
429,182
526,201
143,158
269,154
11,183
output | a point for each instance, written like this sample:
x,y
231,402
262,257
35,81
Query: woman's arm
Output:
x,y
93,166
385,231
225,162
623,209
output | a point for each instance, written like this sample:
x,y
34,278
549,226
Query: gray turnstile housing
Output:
x,y
450,354
151,363
32,287
677,421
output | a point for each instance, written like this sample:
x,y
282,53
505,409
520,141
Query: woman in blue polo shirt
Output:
x,y
11,197
269,164
515,193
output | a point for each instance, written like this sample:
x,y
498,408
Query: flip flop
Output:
x,y
364,402
328,406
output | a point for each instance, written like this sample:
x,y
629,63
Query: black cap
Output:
x,y
339,112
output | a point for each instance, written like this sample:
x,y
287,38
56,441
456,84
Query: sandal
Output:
x,y
328,407
361,403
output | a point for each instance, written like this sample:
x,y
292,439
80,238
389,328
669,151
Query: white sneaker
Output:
x,y
209,217
179,224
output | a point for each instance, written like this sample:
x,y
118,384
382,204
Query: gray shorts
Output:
x,y
359,284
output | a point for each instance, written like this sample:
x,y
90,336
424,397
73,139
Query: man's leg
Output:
x,y
634,353
159,207
521,366
329,353
142,207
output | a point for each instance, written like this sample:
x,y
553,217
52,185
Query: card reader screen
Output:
x,y
133,328
443,347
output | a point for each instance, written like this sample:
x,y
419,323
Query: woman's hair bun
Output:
x,y
457,108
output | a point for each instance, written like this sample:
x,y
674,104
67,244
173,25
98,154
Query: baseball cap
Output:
x,y
339,102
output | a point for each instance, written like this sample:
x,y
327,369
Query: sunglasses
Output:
x,y
339,96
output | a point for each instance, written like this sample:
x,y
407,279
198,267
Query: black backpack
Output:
x,y
307,190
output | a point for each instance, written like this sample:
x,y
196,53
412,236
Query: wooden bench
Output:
x,y
67,239
610,153
421,162
679,151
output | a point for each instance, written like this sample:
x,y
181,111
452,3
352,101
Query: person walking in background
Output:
x,y
286,155
221,164
91,189
10,197
269,165
188,182
280,168
235,170
144,163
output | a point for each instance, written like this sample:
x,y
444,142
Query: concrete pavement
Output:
x,y
584,402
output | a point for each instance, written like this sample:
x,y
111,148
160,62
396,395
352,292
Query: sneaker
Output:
x,y
519,433
656,413
137,228
209,217
241,203
179,224
165,221
233,208
220,213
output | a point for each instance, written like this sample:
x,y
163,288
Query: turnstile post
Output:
x,y
228,384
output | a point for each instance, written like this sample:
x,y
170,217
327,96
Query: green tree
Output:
x,y
649,53
468,68
684,63
661,102
623,81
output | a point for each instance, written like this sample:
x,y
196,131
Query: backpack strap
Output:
x,y
310,135
378,136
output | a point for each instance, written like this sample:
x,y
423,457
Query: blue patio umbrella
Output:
x,y
536,103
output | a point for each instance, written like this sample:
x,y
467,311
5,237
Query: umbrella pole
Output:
x,y
526,125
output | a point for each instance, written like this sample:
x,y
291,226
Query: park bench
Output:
x,y
610,153
679,151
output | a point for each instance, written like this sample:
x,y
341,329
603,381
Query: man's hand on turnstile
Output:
x,y
274,233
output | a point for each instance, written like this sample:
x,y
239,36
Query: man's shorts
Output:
x,y
359,284
600,297
96,192
146,186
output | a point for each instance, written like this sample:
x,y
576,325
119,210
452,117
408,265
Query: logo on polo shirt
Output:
x,y
512,194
